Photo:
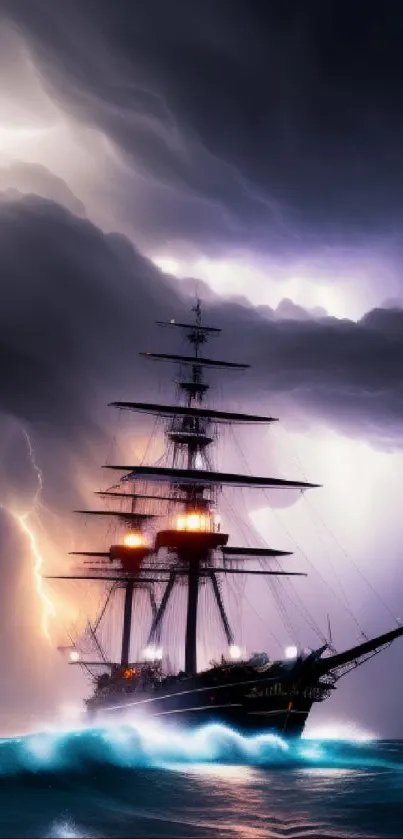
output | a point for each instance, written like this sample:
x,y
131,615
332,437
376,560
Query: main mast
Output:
x,y
196,447
190,439
196,538
193,546
127,623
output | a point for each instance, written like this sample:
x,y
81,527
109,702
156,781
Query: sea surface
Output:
x,y
147,781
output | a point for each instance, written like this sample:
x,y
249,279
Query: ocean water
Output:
x,y
147,781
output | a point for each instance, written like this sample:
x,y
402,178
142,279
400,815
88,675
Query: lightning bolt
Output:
x,y
48,607
37,470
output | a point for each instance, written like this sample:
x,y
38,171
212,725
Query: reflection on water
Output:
x,y
222,772
327,772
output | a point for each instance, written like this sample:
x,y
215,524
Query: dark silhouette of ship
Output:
x,y
174,541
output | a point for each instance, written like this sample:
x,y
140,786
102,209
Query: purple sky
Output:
x,y
254,150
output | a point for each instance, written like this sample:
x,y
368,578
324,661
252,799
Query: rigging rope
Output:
x,y
283,584
356,566
281,608
150,441
345,604
359,571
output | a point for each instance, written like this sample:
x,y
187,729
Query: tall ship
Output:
x,y
172,556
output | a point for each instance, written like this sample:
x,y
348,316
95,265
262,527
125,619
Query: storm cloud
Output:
x,y
79,304
238,124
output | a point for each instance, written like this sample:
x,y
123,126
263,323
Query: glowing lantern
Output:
x,y
129,673
134,540
74,656
153,653
193,521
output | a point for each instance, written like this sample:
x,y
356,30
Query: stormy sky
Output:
x,y
252,151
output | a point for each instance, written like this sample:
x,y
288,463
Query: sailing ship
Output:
x,y
173,539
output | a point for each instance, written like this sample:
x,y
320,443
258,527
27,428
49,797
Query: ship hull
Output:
x,y
249,705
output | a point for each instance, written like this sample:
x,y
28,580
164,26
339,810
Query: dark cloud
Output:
x,y
348,373
37,179
79,304
70,304
254,123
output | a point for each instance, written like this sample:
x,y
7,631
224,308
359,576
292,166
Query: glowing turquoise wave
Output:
x,y
148,745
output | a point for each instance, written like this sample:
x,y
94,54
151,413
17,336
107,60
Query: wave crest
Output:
x,y
151,745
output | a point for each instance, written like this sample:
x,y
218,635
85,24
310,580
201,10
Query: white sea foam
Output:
x,y
342,731
67,829
151,744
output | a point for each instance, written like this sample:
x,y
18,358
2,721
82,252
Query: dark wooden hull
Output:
x,y
257,704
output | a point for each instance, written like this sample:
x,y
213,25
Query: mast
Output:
x,y
191,618
193,482
192,475
127,623
195,549
196,337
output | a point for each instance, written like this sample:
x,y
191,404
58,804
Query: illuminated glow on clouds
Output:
x,y
16,141
231,277
167,265
353,476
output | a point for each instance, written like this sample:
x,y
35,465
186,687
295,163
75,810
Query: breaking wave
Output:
x,y
145,779
149,745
